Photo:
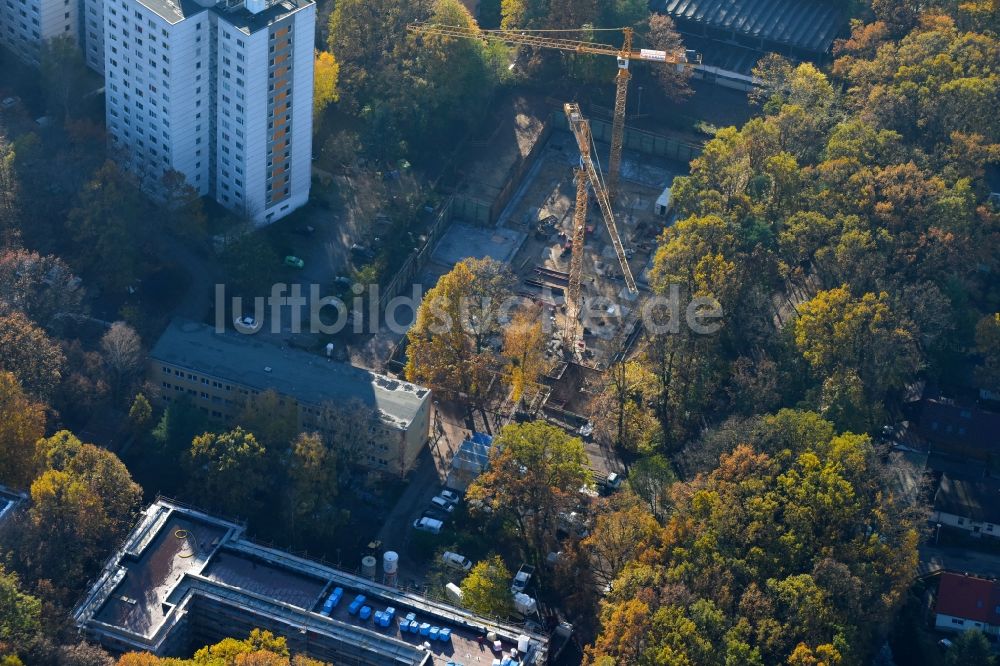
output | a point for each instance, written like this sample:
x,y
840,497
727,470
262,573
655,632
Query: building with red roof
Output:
x,y
967,602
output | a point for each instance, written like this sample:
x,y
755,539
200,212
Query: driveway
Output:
x,y
938,558
424,483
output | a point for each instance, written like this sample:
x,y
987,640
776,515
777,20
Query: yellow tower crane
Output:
x,y
588,173
544,39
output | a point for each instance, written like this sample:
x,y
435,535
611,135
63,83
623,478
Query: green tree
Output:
x,y
20,616
140,412
251,264
970,647
650,478
486,589
534,472
107,226
63,73
227,470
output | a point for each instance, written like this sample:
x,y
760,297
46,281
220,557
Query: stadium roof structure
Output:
x,y
806,25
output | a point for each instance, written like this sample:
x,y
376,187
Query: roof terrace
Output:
x,y
181,564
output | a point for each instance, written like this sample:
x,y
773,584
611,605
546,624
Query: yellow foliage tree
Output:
x,y
326,72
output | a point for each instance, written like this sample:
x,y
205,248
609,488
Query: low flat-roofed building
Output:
x,y
971,505
967,602
184,579
221,372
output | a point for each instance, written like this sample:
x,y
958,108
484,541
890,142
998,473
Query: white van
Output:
x,y
456,561
426,524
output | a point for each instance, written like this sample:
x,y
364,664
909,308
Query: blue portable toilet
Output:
x,y
425,629
434,633
445,635
365,612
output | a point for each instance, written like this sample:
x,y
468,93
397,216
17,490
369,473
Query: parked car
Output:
x,y
441,503
614,481
522,578
428,525
456,561
450,495
294,262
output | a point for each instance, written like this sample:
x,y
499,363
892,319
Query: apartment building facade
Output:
x,y
26,24
221,93
380,423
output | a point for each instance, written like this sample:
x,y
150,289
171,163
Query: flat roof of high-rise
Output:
x,y
307,377
175,11
178,558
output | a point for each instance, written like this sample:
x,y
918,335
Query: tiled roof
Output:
x,y
969,598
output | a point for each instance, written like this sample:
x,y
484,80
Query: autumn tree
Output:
x,y
663,35
313,487
140,412
260,648
619,537
29,354
227,470
535,469
486,588
622,411
524,350
763,561
855,342
81,506
22,423
122,351
272,419
452,345
988,346
39,286
325,73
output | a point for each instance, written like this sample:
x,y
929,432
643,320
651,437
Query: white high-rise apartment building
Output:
x,y
221,93
25,24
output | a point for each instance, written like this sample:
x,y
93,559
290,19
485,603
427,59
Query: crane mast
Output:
x,y
576,260
544,39
587,173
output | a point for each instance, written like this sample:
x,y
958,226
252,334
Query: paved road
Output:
x,y
424,483
937,558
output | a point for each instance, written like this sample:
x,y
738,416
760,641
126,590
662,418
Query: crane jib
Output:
x,y
652,54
